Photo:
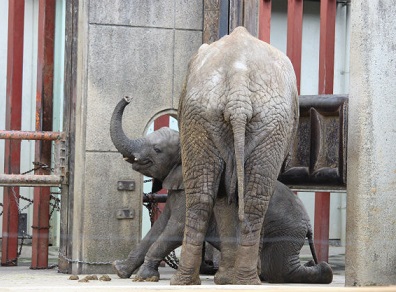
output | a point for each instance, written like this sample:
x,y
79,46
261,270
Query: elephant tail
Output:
x,y
239,129
311,244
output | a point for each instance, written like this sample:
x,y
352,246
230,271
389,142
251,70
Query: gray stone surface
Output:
x,y
186,44
189,14
371,200
106,237
135,48
137,62
141,13
22,278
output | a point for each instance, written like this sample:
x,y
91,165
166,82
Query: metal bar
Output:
x,y
12,151
265,20
211,21
321,226
32,135
69,125
294,36
30,180
251,16
223,18
235,14
44,101
326,47
158,198
326,78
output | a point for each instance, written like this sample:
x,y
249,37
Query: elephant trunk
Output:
x,y
127,147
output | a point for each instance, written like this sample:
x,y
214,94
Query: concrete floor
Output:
x,y
21,278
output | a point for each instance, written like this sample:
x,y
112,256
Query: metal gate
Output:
x,y
47,173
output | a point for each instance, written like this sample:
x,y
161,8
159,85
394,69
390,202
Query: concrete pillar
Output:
x,y
371,205
135,48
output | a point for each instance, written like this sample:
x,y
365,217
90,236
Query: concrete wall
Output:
x,y
371,205
140,49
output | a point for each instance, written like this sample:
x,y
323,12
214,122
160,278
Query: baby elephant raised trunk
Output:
x,y
127,147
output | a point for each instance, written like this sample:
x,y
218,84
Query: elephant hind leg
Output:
x,y
280,262
201,182
316,274
187,273
170,239
290,270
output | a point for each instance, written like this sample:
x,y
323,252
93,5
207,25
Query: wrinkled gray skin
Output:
x,y
158,156
286,223
238,115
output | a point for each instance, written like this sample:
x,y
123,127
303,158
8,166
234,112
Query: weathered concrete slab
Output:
x,y
137,62
188,14
141,13
186,44
135,48
104,237
371,200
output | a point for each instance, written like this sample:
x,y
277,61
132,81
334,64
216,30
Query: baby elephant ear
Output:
x,y
174,180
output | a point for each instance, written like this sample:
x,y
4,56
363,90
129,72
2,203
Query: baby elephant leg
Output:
x,y
227,222
315,274
170,239
125,268
281,264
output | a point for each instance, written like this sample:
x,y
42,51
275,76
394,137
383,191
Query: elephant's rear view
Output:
x,y
237,117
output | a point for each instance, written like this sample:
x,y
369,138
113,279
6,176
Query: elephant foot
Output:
x,y
122,268
147,273
224,277
246,266
180,278
149,279
326,273
247,280
316,274
188,271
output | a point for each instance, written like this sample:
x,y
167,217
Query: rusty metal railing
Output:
x,y
60,165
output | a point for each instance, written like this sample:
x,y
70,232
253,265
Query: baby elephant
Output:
x,y
286,224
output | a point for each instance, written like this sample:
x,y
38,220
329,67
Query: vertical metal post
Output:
x,y
326,48
326,78
12,151
265,20
235,14
69,127
294,36
44,94
223,17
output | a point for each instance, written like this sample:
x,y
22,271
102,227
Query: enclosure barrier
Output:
x,y
38,180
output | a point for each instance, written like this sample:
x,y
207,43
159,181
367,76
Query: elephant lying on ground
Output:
x,y
286,224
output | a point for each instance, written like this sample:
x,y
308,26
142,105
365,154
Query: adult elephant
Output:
x,y
238,113
286,224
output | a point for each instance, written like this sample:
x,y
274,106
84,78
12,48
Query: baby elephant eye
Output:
x,y
157,150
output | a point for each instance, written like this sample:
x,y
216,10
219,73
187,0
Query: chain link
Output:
x,y
82,262
55,206
172,260
38,165
152,205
